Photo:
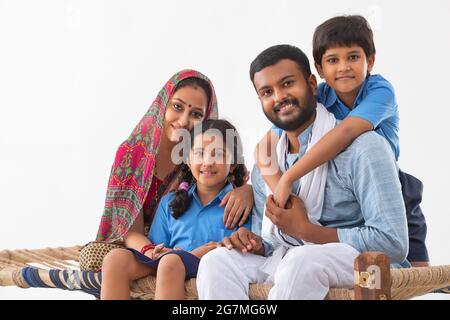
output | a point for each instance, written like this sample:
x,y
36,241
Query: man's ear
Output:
x,y
312,82
370,63
319,70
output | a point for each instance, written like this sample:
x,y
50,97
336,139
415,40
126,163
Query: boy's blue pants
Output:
x,y
412,189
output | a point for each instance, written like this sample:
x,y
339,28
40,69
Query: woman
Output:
x,y
143,170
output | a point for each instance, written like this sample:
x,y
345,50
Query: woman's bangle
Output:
x,y
147,247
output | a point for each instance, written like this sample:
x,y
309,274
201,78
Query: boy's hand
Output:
x,y
282,191
245,241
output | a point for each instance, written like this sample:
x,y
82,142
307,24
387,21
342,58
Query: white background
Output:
x,y
77,76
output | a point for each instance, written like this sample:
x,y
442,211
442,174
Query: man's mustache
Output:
x,y
285,102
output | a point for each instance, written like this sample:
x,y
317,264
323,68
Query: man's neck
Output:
x,y
294,144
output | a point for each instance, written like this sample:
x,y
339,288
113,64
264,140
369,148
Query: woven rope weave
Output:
x,y
60,263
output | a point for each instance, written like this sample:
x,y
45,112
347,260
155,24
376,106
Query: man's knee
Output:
x,y
215,259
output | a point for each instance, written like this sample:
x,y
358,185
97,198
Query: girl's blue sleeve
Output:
x,y
159,230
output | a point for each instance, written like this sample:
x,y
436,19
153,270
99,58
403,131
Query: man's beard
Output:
x,y
306,112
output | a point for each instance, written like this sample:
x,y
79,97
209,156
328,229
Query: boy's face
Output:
x,y
345,68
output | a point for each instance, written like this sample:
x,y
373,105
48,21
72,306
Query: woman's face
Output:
x,y
186,108
208,160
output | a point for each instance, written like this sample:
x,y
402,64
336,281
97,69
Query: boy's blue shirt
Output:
x,y
375,103
197,226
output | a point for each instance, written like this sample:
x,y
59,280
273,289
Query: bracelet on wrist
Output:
x,y
147,247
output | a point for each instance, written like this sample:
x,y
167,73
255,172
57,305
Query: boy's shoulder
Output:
x,y
374,83
377,81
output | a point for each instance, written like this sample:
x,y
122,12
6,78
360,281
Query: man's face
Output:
x,y
287,98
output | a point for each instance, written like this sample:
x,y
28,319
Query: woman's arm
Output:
x,y
135,237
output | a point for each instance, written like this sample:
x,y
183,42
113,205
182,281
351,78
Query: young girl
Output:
x,y
188,222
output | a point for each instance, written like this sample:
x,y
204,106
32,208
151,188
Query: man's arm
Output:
x,y
375,183
294,222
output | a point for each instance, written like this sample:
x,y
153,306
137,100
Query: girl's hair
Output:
x,y
196,82
181,201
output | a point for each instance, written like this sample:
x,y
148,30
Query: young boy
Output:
x,y
344,55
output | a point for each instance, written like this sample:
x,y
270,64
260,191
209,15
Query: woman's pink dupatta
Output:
x,y
133,167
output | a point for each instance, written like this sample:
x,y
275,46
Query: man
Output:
x,y
350,205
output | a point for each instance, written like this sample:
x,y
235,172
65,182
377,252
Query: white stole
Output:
x,y
311,191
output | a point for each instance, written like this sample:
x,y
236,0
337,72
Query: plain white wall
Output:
x,y
76,77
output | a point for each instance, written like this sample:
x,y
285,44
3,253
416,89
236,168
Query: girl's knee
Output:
x,y
117,259
171,263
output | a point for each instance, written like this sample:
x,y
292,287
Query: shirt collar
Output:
x,y
332,98
303,138
192,192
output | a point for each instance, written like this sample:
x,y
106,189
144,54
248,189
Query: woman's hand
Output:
x,y
239,204
204,249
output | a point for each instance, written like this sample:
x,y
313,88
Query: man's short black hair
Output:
x,y
274,54
343,31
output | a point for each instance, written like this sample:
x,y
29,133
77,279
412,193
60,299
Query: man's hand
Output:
x,y
245,241
293,220
239,204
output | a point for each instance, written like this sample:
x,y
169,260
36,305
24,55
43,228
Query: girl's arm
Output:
x,y
331,144
204,249
266,159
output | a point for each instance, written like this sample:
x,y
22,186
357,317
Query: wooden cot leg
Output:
x,y
372,276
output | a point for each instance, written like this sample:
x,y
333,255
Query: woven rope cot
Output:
x,y
58,268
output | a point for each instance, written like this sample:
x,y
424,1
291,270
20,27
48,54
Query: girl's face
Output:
x,y
209,161
186,108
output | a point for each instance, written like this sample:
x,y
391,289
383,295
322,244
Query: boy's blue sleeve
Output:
x,y
159,230
378,104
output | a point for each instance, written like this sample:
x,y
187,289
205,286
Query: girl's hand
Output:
x,y
239,205
159,250
282,192
204,249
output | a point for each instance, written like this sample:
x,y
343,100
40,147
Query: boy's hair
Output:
x,y
343,31
274,54
181,201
